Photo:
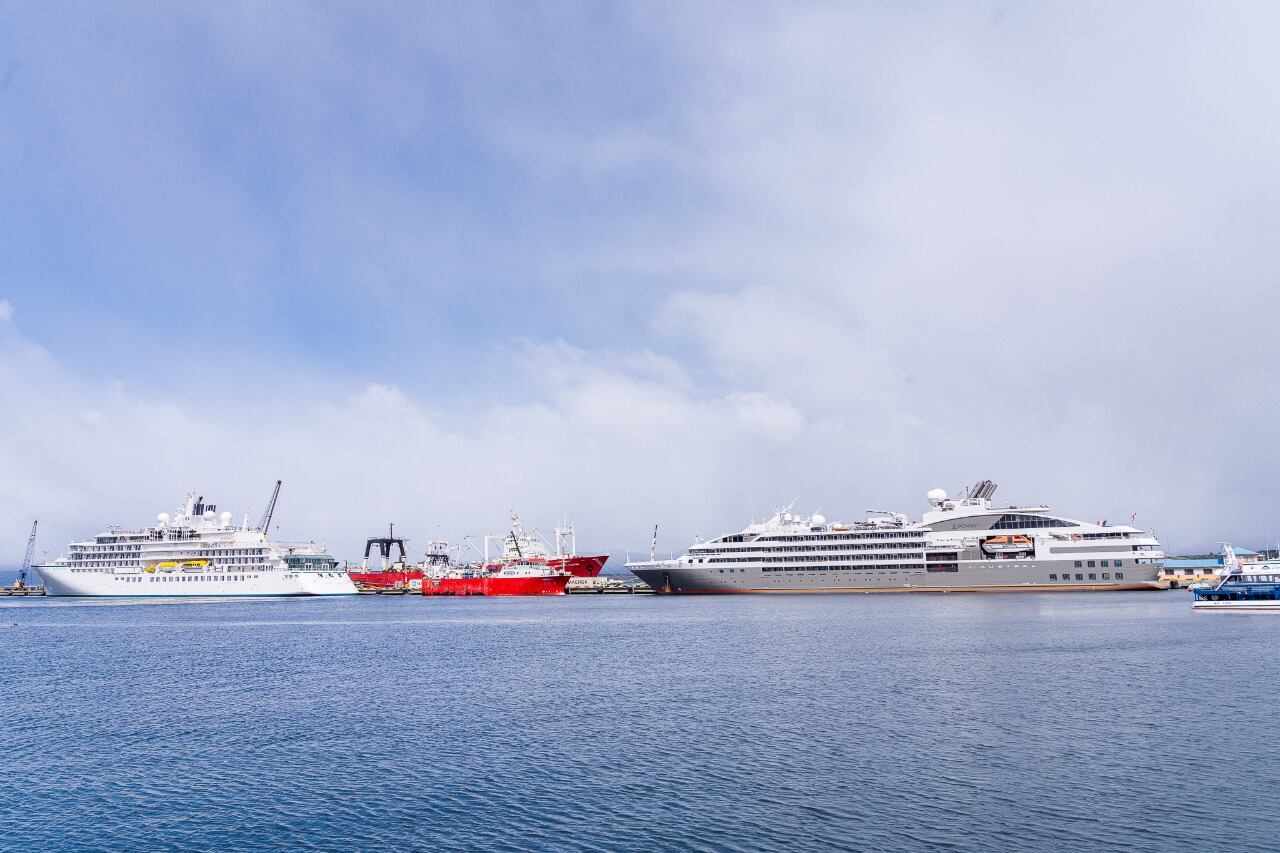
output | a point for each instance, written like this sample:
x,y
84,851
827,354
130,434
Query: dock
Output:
x,y
606,586
21,590
366,589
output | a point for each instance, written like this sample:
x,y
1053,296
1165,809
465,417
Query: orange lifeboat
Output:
x,y
1008,545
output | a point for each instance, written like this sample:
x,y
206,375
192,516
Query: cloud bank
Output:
x,y
640,267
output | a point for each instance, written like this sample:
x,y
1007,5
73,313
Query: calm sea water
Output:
x,y
963,722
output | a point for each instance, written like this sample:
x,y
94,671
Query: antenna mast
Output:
x,y
265,524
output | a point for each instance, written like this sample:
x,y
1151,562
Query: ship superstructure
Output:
x,y
196,552
519,546
965,544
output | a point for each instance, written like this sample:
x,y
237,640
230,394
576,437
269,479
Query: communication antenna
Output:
x,y
653,546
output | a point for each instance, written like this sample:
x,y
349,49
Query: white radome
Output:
x,y
818,519
937,496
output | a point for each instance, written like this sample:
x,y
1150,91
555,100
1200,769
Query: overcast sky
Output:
x,y
671,263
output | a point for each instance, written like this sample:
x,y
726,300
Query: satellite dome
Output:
x,y
937,496
163,518
208,515
818,519
226,518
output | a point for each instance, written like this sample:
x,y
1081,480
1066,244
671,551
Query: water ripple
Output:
x,y
1028,723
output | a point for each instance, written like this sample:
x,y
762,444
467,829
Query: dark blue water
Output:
x,y
1019,722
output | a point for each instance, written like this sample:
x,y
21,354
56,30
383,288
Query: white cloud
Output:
x,y
6,311
881,249
616,442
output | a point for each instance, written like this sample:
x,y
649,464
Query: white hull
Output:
x,y
1237,605
63,581
949,549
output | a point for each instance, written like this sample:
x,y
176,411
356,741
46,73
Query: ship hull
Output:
x,y
490,585
579,567
65,582
981,576
385,580
1243,605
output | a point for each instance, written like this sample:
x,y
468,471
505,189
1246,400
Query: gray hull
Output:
x,y
971,576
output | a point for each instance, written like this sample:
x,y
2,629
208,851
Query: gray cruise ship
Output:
x,y
963,544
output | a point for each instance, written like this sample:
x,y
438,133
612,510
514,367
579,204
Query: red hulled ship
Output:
x,y
519,578
392,574
527,565
518,545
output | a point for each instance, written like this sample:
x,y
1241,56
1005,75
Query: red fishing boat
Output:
x,y
392,573
521,578
518,545
519,549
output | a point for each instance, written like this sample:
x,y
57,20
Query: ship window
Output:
x,y
1053,577
1106,576
1117,563
1016,520
1092,576
1091,564
1079,565
1079,576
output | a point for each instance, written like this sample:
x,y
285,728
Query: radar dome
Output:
x,y
163,518
937,496
818,519
225,518
208,515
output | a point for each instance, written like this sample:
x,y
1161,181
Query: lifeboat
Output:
x,y
1008,545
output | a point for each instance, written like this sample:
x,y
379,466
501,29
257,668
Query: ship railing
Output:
x,y
298,546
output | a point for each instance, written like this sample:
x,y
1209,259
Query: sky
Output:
x,y
639,263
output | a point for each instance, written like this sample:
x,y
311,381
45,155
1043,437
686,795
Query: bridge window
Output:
x,y
1013,521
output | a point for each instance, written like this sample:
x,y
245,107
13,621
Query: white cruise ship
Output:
x,y
959,545
195,553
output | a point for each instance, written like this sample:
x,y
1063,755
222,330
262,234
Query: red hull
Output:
x,y
552,585
579,567
387,580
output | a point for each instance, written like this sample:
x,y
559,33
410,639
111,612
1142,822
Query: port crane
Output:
x,y
26,560
265,524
